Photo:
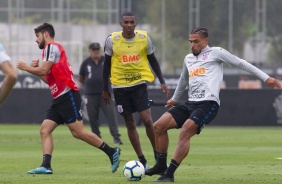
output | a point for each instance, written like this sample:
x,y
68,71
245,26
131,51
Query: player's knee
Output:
x,y
158,129
148,122
76,134
44,131
130,125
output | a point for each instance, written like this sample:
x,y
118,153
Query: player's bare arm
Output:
x,y
39,71
9,80
35,63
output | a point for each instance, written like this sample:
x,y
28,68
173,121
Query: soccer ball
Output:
x,y
133,170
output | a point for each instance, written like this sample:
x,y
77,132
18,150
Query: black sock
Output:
x,y
46,161
161,159
155,154
171,169
143,160
107,149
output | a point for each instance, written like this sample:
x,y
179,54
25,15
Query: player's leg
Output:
x,y
79,132
124,101
93,107
134,137
146,118
111,118
69,107
201,113
140,101
189,129
46,129
161,126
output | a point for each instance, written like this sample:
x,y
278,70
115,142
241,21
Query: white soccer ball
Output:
x,y
133,170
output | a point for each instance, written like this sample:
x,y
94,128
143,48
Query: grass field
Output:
x,y
230,155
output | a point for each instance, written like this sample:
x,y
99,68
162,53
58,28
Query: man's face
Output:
x,y
40,40
95,53
197,43
128,24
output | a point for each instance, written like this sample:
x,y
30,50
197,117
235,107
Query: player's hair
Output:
x,y
46,27
127,14
200,30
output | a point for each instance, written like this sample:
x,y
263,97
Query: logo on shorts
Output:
x,y
120,109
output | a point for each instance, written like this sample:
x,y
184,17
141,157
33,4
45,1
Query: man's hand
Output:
x,y
21,65
166,90
170,103
272,82
106,96
34,63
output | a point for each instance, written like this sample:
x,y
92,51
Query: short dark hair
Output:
x,y
94,46
200,30
127,14
46,27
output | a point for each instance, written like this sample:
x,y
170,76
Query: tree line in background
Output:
x,y
213,15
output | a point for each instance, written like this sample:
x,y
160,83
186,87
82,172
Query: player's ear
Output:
x,y
45,34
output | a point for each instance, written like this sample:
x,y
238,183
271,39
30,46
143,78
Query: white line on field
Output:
x,y
279,158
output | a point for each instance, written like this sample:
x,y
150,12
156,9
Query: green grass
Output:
x,y
230,155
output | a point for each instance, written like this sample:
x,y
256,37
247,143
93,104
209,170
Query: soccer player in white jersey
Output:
x,y
203,73
10,75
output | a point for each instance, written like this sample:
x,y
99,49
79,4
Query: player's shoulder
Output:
x,y
189,56
141,33
109,37
55,45
218,49
115,36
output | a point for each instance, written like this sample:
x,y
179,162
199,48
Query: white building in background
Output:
x,y
19,40
256,52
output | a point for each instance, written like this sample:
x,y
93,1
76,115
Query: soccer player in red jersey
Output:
x,y
65,109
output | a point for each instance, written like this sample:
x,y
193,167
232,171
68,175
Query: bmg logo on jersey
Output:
x,y
133,58
197,71
53,88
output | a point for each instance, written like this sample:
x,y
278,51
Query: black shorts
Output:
x,y
201,113
65,108
132,99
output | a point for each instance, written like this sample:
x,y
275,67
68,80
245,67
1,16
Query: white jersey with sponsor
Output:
x,y
3,55
204,74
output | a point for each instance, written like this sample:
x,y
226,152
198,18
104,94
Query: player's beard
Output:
x,y
42,44
195,53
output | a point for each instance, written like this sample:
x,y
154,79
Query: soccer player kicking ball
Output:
x,y
203,73
65,109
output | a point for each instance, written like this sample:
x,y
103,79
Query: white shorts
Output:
x,y
4,57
